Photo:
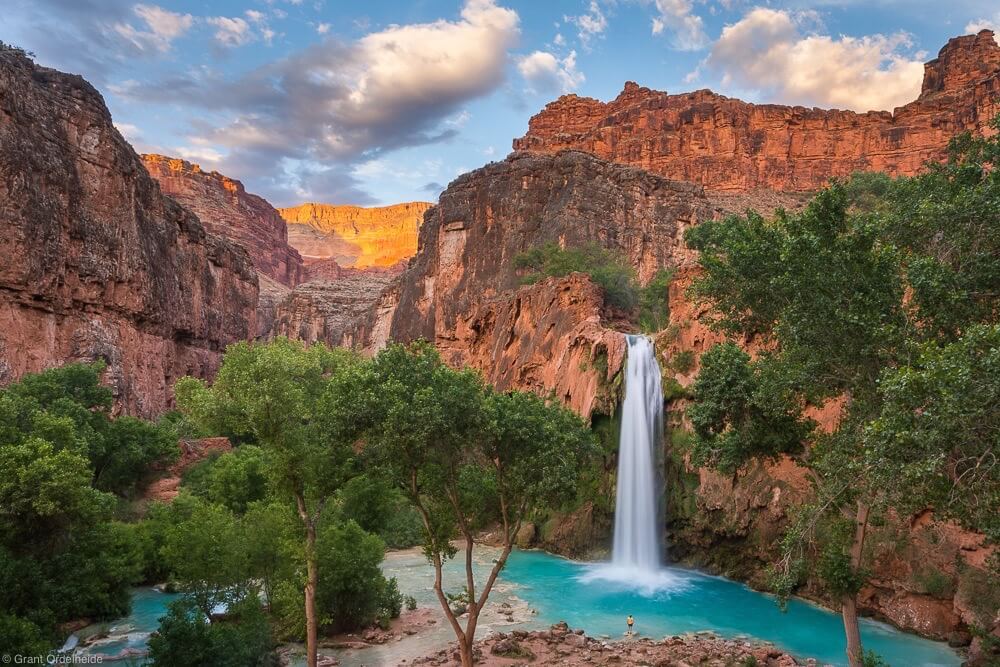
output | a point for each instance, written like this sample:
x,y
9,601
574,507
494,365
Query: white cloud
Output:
x,y
238,31
323,28
686,27
206,157
231,31
767,52
545,73
128,130
984,24
559,40
591,24
344,103
162,28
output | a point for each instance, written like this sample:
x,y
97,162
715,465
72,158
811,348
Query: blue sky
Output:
x,y
377,102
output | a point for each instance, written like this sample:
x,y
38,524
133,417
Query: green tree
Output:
x,y
462,453
234,479
188,638
204,549
294,402
654,302
823,293
62,556
369,501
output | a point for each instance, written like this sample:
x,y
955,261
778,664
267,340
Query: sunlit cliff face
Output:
x,y
353,236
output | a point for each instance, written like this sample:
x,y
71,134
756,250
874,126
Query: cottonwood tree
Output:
x,y
465,455
875,295
291,400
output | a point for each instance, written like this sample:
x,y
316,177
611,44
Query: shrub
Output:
x,y
369,502
404,528
607,269
654,302
234,479
352,591
186,638
682,362
390,603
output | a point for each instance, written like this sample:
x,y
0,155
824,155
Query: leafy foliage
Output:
x,y
608,270
63,457
186,637
654,302
463,454
741,411
234,479
883,294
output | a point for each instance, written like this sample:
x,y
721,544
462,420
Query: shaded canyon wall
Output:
x,y
98,264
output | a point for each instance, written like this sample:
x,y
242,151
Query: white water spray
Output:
x,y
638,541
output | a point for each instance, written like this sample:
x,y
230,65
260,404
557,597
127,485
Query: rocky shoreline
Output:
x,y
561,645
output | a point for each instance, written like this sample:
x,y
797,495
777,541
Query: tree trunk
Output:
x,y
312,577
465,648
849,609
849,602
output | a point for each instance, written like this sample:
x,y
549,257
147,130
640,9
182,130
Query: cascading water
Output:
x,y
638,541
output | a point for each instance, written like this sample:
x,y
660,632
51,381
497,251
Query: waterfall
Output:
x,y
638,541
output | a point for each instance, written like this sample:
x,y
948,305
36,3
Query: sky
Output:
x,y
381,101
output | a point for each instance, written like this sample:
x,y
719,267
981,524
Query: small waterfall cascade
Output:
x,y
637,543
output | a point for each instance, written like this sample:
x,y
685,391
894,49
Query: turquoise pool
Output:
x,y
595,599
680,601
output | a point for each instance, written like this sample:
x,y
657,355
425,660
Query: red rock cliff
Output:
x,y
730,145
462,291
97,263
227,209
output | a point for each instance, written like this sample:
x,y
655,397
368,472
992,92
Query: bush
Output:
x,y
19,636
607,269
186,638
368,501
682,362
654,302
234,479
351,590
404,527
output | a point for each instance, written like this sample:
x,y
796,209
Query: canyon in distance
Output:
x,y
153,266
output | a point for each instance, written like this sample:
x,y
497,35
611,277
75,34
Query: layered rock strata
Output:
x,y
227,209
729,145
462,291
355,236
98,264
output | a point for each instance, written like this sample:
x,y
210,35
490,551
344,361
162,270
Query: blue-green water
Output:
x,y
128,638
687,601
676,602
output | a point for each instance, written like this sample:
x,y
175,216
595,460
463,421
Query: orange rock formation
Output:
x,y
355,236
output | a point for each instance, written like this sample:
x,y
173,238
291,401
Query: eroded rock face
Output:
x,y
462,291
355,236
98,264
327,311
227,209
729,145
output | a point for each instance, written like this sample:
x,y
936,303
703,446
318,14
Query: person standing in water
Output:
x,y
630,621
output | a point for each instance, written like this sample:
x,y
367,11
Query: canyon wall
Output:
x,y
227,209
462,290
354,236
98,264
728,145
